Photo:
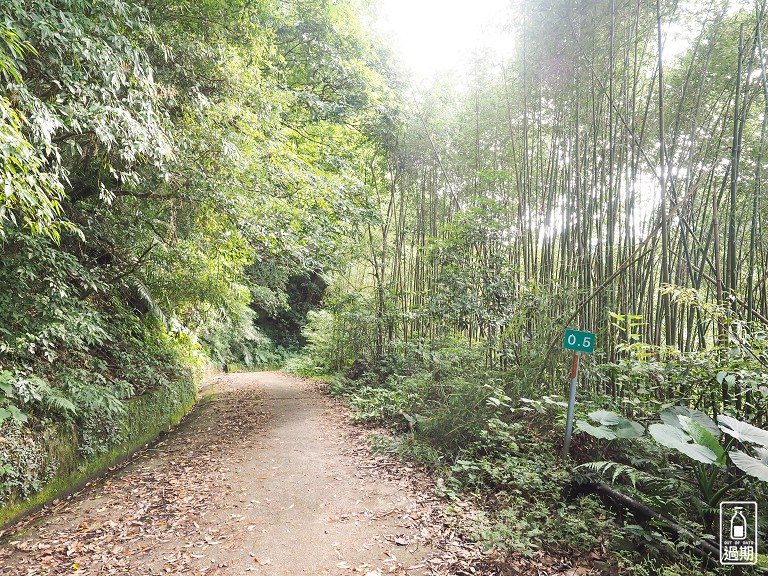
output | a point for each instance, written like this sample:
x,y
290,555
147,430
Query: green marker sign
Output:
x,y
579,341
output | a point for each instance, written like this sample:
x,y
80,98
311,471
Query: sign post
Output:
x,y
578,342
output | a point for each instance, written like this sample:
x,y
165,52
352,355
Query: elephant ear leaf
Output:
x,y
628,429
605,417
703,437
679,440
670,416
742,431
601,432
757,467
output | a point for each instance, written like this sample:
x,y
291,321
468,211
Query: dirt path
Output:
x,y
264,477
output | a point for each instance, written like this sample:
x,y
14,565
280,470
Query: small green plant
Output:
x,y
611,426
526,525
20,395
8,408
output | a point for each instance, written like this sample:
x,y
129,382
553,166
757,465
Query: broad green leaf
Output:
x,y
668,433
628,429
703,437
17,414
4,415
757,467
742,431
602,432
605,417
677,439
669,416
6,383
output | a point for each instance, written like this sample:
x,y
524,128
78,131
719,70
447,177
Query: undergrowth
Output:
x,y
504,460
503,455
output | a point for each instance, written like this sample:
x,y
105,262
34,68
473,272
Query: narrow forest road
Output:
x,y
264,477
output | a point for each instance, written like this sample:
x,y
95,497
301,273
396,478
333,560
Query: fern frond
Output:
x,y
61,404
615,471
142,294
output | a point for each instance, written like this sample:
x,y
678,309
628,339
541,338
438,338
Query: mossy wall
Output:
x,y
150,414
41,463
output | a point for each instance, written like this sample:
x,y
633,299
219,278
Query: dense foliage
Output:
x,y
186,182
172,172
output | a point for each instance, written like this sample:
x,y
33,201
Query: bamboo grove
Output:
x,y
610,177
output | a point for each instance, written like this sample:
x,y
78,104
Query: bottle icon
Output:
x,y
738,524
